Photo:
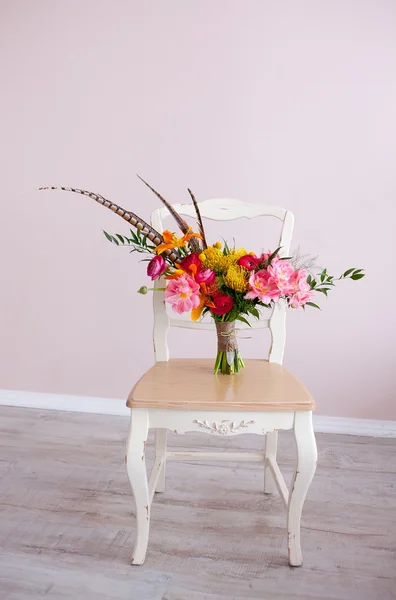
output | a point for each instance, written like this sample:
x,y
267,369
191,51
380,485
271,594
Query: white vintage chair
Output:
x,y
262,399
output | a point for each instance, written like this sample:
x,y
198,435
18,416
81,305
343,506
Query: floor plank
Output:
x,y
67,518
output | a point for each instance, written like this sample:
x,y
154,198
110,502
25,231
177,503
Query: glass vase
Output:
x,y
228,360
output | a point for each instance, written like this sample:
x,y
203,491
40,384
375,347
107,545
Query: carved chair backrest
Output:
x,y
223,209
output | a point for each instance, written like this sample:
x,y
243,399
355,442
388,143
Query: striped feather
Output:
x,y
145,229
182,224
199,219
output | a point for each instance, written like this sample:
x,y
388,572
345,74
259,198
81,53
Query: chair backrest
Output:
x,y
224,209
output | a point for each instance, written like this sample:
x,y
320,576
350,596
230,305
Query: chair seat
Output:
x,y
189,384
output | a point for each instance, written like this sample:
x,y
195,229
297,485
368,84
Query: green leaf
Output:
x,y
108,236
240,318
286,258
272,256
120,238
226,249
322,290
313,304
253,311
309,278
357,276
348,272
323,275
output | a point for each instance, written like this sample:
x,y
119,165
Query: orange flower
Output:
x,y
171,241
176,274
204,301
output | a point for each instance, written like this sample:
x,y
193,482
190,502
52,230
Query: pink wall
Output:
x,y
290,103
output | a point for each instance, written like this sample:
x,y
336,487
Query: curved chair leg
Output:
x,y
271,444
305,470
160,451
137,473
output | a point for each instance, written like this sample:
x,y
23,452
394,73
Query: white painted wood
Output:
x,y
161,318
286,235
226,209
137,474
279,480
303,475
262,324
154,477
271,444
116,407
221,423
160,453
218,456
277,325
161,324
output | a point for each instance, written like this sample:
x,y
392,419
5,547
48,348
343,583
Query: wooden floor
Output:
x,y
67,521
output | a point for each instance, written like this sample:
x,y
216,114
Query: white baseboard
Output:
x,y
352,426
109,406
83,404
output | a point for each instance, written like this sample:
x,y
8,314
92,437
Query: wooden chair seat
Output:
x,y
189,384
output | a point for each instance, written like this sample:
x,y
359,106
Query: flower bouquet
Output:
x,y
230,284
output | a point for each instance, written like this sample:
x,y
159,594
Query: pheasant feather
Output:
x,y
145,229
199,219
182,224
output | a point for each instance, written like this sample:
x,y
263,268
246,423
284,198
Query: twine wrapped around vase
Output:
x,y
228,360
226,337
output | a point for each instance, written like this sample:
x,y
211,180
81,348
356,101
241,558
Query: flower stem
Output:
x,y
222,365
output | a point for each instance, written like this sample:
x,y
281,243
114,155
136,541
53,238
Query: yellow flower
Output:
x,y
216,260
237,278
217,245
202,257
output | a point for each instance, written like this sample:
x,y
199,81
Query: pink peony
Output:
x,y
183,293
156,267
282,273
301,292
263,287
205,276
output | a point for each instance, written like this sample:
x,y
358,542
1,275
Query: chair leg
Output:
x,y
303,475
271,444
160,450
137,474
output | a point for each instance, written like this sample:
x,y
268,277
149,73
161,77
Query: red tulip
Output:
x,y
222,304
156,267
249,262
